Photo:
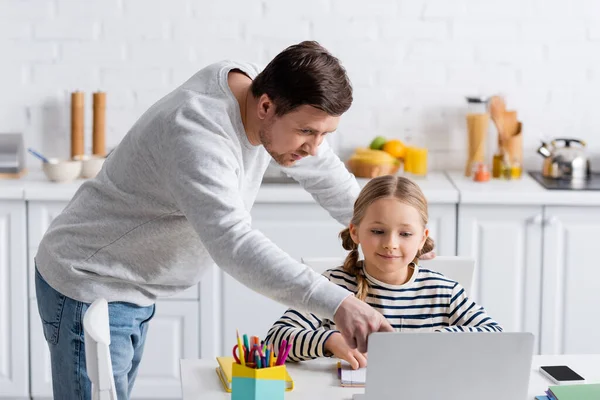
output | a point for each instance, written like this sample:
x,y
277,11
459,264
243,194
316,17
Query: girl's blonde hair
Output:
x,y
381,187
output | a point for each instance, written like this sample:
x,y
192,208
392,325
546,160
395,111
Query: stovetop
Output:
x,y
592,183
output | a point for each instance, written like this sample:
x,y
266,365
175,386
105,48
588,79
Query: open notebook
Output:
x,y
351,377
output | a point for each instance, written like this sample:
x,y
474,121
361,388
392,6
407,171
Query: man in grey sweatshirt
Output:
x,y
175,197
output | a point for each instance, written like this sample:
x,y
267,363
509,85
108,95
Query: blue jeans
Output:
x,y
62,319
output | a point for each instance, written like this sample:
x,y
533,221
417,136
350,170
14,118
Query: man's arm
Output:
x,y
325,177
200,170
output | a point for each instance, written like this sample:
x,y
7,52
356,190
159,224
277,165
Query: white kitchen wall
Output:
x,y
411,62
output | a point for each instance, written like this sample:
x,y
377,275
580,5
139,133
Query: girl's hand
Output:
x,y
336,345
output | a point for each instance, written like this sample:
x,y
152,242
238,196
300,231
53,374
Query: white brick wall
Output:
x,y
411,62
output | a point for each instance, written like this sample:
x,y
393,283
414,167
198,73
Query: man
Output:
x,y
175,196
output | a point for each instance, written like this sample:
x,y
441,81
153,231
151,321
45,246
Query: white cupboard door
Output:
x,y
14,351
210,313
301,230
41,370
173,334
571,281
442,228
506,243
39,217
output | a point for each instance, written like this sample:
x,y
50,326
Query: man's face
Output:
x,y
297,134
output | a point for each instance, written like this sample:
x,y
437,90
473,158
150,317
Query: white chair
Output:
x,y
459,269
96,329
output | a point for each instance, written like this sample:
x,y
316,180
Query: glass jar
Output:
x,y
478,121
476,105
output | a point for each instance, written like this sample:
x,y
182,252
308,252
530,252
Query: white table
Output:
x,y
318,379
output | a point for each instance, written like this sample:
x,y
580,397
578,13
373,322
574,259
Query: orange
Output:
x,y
395,148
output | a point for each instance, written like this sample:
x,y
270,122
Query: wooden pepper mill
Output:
x,y
77,123
99,125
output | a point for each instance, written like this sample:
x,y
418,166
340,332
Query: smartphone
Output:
x,y
561,374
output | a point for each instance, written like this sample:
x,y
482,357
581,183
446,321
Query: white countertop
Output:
x,y
34,186
439,188
11,189
524,191
436,186
318,379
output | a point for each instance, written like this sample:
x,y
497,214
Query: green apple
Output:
x,y
377,143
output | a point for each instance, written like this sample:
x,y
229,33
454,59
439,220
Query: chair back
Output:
x,y
96,330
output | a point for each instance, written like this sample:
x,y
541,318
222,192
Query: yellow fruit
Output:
x,y
395,148
370,156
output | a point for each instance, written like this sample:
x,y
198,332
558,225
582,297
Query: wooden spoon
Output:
x,y
497,112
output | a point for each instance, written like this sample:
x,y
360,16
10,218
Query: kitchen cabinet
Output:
x,y
535,271
571,280
173,334
41,371
14,347
442,228
304,230
535,263
39,217
506,243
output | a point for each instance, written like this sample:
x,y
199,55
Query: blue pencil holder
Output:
x,y
257,384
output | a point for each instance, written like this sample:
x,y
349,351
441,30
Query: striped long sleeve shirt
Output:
x,y
428,302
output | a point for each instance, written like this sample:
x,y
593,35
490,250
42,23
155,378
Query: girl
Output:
x,y
389,224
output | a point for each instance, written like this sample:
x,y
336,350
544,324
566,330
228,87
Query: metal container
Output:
x,y
563,161
12,155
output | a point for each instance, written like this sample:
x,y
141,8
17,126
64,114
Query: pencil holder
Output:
x,y
257,384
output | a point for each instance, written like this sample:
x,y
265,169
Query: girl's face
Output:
x,y
390,235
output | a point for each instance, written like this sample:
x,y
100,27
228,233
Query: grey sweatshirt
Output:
x,y
175,196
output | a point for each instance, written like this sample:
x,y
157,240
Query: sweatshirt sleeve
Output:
x,y
308,331
201,170
328,180
467,316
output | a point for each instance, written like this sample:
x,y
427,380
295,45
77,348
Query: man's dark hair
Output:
x,y
305,73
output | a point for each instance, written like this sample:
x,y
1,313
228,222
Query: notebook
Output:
x,y
576,392
224,373
351,377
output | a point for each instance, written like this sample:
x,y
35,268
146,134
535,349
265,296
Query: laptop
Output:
x,y
433,366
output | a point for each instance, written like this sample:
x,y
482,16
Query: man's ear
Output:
x,y
265,106
354,233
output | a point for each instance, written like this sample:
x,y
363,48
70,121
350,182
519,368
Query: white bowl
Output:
x,y
90,165
58,170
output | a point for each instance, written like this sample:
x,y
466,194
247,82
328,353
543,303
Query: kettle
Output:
x,y
565,161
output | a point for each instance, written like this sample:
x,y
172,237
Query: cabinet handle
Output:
x,y
537,220
551,220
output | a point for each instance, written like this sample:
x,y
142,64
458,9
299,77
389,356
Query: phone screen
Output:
x,y
562,373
